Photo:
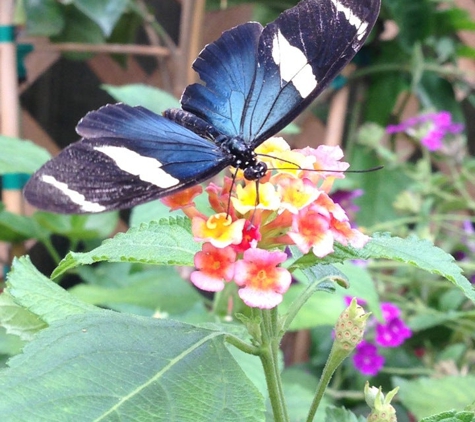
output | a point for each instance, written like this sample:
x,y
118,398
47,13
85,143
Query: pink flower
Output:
x,y
262,282
311,230
214,267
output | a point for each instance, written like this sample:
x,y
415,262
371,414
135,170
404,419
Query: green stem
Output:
x,y
51,249
269,359
242,345
337,356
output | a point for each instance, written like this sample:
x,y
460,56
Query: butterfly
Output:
x,y
255,81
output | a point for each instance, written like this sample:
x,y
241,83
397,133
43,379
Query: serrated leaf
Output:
x,y
413,251
38,294
453,392
21,156
166,242
111,366
147,96
451,416
104,13
421,254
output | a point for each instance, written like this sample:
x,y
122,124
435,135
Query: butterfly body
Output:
x,y
256,80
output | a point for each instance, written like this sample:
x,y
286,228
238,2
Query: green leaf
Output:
x,y
159,288
416,252
166,242
451,20
17,320
437,93
336,414
33,291
361,286
451,416
380,190
427,396
322,308
15,227
78,227
79,28
415,20
103,13
44,17
111,366
147,96
10,345
299,389
21,156
153,210
421,254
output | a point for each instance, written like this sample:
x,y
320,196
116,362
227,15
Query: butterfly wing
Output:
x,y
128,156
258,80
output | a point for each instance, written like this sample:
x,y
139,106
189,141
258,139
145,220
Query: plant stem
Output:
x,y
337,355
269,359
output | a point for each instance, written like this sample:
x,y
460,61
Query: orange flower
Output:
x,y
183,198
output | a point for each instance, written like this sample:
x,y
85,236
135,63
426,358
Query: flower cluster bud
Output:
x,y
381,408
350,326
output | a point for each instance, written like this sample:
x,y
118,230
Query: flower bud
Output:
x,y
350,326
381,408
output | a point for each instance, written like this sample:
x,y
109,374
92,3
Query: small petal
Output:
x,y
246,198
219,230
262,282
183,198
367,360
311,230
214,267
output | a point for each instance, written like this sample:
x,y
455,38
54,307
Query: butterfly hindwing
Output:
x,y
129,156
295,58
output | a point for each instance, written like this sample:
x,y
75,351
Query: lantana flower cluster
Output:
x,y
431,128
245,238
390,333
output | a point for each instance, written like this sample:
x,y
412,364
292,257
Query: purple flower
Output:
x,y
390,310
367,360
430,128
393,333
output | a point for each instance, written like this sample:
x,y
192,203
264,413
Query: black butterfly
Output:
x,y
256,81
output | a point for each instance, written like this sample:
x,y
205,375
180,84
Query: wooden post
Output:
x,y
9,102
191,24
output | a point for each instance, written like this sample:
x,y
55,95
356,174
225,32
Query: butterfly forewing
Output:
x,y
131,156
295,58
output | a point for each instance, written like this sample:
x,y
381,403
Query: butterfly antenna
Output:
x,y
297,167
